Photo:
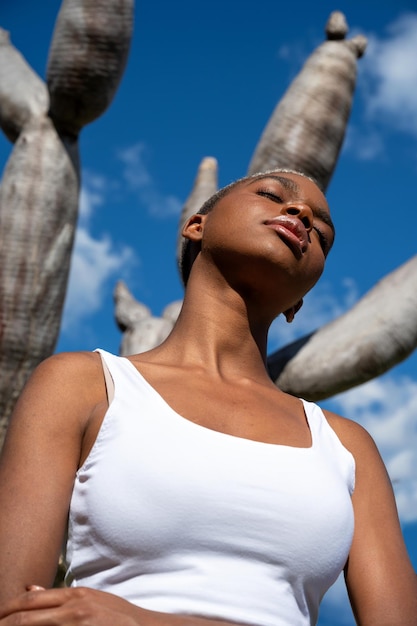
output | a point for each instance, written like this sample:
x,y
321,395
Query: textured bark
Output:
x,y
205,185
306,130
141,330
38,209
86,60
23,95
40,187
377,333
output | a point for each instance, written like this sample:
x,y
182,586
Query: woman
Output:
x,y
196,491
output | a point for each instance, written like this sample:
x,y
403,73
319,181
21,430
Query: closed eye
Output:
x,y
270,195
324,244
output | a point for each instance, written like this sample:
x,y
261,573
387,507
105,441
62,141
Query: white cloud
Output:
x,y
140,181
95,261
387,408
91,195
135,171
388,75
366,143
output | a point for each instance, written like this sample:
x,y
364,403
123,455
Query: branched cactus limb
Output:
x,y
376,334
205,185
40,187
87,57
141,330
337,27
307,128
23,95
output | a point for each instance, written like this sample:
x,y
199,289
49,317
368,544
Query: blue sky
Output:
x,y
202,80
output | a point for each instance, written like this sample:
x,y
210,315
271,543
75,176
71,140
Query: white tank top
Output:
x,y
178,518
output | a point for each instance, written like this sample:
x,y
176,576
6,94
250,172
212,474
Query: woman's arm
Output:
x,y
38,464
85,607
381,582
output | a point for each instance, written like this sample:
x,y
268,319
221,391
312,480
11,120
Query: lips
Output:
x,y
292,231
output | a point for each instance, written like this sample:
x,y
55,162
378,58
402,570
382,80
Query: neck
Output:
x,y
219,331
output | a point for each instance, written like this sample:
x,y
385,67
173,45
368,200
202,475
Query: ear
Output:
x,y
290,313
194,227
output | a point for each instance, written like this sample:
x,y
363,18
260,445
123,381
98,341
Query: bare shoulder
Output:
x,y
68,372
62,392
352,435
70,368
370,469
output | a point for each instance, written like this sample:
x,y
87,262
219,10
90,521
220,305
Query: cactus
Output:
x,y
40,187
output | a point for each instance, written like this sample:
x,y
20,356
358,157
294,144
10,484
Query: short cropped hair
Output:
x,y
190,249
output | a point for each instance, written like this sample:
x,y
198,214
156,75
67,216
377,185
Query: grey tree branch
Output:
x,y
87,58
306,130
376,334
38,209
40,187
141,330
23,94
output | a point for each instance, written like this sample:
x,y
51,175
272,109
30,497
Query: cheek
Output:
x,y
225,234
214,230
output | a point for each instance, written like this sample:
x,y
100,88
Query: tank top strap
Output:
x,y
326,441
316,421
118,371
107,378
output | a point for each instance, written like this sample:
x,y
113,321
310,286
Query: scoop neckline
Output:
x,y
218,433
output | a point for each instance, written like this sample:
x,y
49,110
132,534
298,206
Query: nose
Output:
x,y
303,212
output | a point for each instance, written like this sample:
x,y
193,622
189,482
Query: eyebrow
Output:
x,y
291,185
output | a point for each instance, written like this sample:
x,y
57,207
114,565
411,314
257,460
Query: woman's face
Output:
x,y
272,232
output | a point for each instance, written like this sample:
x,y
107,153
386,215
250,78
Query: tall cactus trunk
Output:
x,y
306,130
23,94
35,246
40,188
87,58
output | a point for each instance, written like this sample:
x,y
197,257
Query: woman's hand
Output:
x,y
70,607
87,607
